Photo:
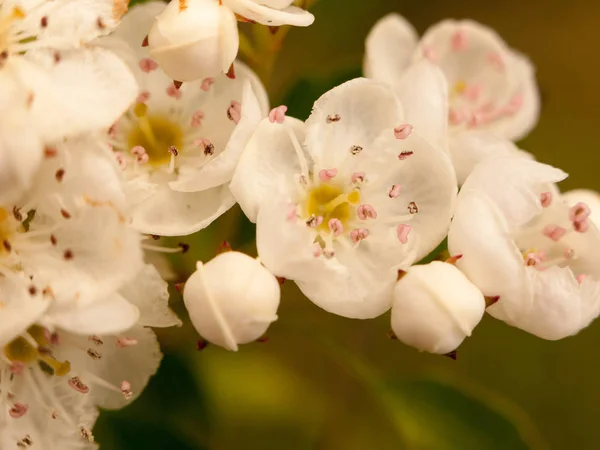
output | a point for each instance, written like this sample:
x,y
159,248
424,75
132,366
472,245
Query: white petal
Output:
x,y
469,148
150,294
513,184
134,364
171,213
490,259
423,91
268,160
266,15
112,315
86,91
354,113
219,170
587,196
389,46
360,289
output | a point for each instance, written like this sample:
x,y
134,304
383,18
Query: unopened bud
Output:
x,y
195,39
435,307
232,299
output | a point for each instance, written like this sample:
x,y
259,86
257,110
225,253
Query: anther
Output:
x,y
402,231
207,83
403,131
17,214
579,212
126,390
32,290
68,255
78,385
96,340
314,221
413,208
44,22
86,434
60,174
554,232
66,214
332,118
355,150
197,118
94,354
394,191
405,154
147,65
234,112
18,410
336,227
126,342
358,235
328,253
365,212
121,160
358,177
327,174
546,199
173,92
278,114
184,247
173,150
581,226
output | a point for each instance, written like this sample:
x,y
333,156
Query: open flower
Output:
x,y
342,201
178,147
54,83
523,243
271,12
435,307
491,88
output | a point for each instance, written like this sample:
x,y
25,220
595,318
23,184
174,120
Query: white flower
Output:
x,y
492,88
52,82
271,12
232,299
193,39
342,201
522,242
435,307
178,148
53,382
66,245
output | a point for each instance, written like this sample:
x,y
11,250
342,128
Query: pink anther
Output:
x,y
278,114
327,174
403,131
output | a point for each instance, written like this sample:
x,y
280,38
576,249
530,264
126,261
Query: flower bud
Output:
x,y
435,307
194,39
232,299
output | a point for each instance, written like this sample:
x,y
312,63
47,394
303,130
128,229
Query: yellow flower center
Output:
x,y
156,135
330,202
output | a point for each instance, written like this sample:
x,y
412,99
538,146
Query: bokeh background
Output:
x,y
327,383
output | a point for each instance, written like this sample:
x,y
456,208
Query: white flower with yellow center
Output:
x,y
54,83
522,242
492,89
346,199
178,147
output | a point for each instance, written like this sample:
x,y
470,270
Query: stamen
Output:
x,y
333,118
121,160
94,354
579,212
173,92
358,235
78,385
207,83
278,114
355,150
18,410
336,227
403,131
581,226
554,232
147,65
209,148
234,112
404,155
402,231
413,208
96,340
197,118
365,212
86,434
546,199
126,342
358,177
327,174
126,390
394,191
314,221
140,154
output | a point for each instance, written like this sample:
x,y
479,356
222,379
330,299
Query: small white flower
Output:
x,y
232,299
52,81
194,39
491,88
435,307
522,242
178,148
343,200
271,12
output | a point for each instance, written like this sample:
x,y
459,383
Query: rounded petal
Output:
x,y
271,14
171,213
389,47
268,160
423,91
352,114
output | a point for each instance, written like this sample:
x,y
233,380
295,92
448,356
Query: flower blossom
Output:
x,y
348,197
492,92
54,81
523,243
178,147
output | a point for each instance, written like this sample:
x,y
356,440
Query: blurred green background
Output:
x,y
327,383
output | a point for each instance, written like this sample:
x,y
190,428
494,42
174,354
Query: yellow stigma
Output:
x,y
330,202
156,134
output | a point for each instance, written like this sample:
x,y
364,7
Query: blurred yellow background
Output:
x,y
293,392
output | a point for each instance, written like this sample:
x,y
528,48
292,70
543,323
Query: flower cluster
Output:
x,y
127,127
